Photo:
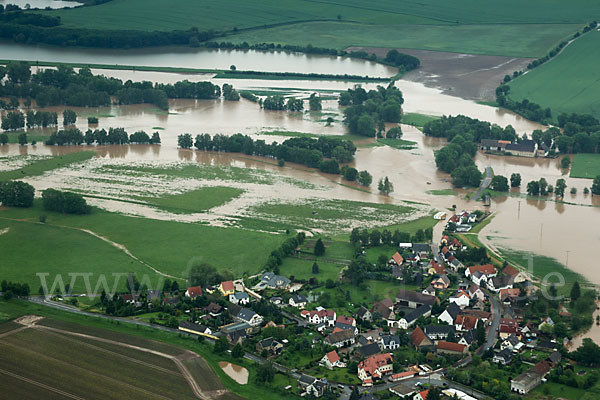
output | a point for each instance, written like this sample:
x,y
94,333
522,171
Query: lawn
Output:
x,y
585,166
568,83
518,40
170,247
442,192
40,167
399,144
302,269
195,201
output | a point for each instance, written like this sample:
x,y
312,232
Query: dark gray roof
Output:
x,y
506,354
418,313
469,336
246,314
421,247
438,329
298,298
369,350
307,379
340,336
387,339
555,357
192,326
416,297
344,326
268,342
525,145
489,143
361,312
453,310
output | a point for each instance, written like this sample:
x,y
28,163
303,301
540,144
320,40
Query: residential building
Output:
x,y
226,288
368,350
320,315
429,290
402,391
439,332
525,382
516,275
298,301
411,299
312,386
497,283
249,316
270,280
444,347
461,299
503,357
465,323
486,269
526,148
364,314
450,313
420,340
389,342
421,395
341,338
375,367
396,259
270,345
194,328
332,360
239,298
193,292
342,319
409,319
441,283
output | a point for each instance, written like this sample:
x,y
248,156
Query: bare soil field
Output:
x,y
470,76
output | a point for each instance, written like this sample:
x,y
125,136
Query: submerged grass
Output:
x,y
195,201
42,166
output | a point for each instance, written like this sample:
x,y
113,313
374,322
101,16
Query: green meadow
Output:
x,y
40,167
585,166
568,83
195,201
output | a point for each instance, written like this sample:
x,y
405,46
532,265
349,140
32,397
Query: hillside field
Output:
x,y
430,24
568,83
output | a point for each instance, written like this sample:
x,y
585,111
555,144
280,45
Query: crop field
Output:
x,y
519,40
429,24
568,83
66,364
585,166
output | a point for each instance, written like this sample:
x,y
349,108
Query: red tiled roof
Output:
x,y
371,364
510,271
417,336
227,286
194,291
342,319
449,346
506,293
424,394
468,322
333,357
486,269
401,375
398,258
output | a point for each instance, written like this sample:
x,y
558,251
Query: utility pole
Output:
x,y
568,251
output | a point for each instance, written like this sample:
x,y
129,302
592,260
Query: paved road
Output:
x,y
492,333
485,183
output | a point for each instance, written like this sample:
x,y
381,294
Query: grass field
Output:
x,y
568,83
519,40
585,166
418,120
170,247
399,144
44,165
442,192
195,201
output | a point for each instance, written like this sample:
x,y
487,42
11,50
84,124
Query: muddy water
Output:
x,y
42,3
235,372
593,333
249,60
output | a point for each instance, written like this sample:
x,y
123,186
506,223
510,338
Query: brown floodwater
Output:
x,y
42,4
592,333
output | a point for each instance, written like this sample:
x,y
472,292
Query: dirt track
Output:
x,y
30,322
470,76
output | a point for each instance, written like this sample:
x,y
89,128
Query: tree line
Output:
x,y
64,86
324,153
64,202
367,112
73,136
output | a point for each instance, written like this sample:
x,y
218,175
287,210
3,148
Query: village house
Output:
x,y
439,332
507,327
332,360
450,313
249,316
546,321
526,148
512,343
375,367
503,357
400,376
465,323
497,283
461,299
402,391
409,319
487,270
342,319
444,347
525,382
467,338
312,386
193,292
389,342
436,268
421,395
237,332
319,316
341,338
226,288
397,272
269,345
396,259
493,145
420,340
517,276
339,326
298,301
410,299
270,280
213,309
194,328
385,308
364,314
441,283
239,298
507,295
367,350
429,290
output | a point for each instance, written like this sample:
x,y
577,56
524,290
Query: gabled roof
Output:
x,y
241,295
487,269
194,291
417,337
453,310
510,271
298,298
341,336
342,319
468,322
525,145
418,313
372,363
361,312
449,346
444,278
416,297
333,357
369,349
502,281
227,286
439,329
246,314
421,247
505,354
424,394
398,259
387,339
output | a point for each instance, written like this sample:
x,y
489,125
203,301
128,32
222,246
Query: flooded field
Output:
x,y
235,372
546,227
42,3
